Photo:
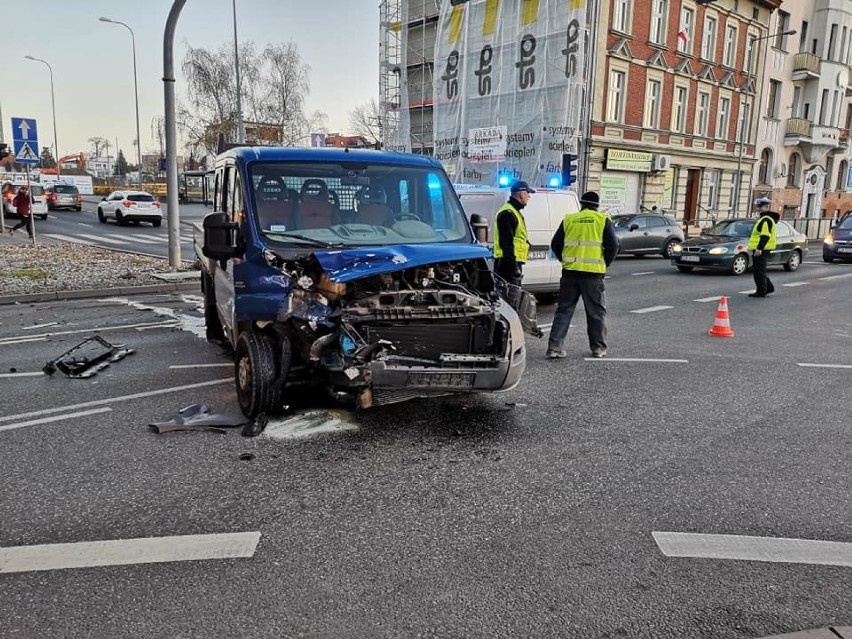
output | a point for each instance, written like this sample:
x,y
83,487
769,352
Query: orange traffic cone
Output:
x,y
722,325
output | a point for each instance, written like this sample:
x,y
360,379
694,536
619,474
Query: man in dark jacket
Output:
x,y
511,244
586,244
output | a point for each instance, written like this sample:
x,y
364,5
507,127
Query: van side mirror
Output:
x,y
480,228
222,238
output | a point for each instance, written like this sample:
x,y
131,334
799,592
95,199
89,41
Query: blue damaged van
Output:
x,y
356,271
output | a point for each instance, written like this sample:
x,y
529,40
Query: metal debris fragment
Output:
x,y
197,417
87,358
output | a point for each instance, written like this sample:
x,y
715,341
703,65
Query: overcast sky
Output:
x,y
93,64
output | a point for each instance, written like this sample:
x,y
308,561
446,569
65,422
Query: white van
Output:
x,y
543,214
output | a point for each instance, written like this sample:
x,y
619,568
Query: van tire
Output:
x,y
260,371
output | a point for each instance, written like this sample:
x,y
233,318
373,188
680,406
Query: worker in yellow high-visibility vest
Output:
x,y
762,243
511,243
587,244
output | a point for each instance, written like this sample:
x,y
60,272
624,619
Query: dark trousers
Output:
x,y
506,270
573,286
761,281
25,221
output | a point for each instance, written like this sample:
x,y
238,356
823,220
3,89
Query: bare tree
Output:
x,y
158,132
366,121
98,143
275,85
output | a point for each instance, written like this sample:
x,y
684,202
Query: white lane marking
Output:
x,y
67,238
804,365
10,341
112,400
644,273
753,290
86,224
834,277
791,284
135,238
34,326
652,309
715,298
103,238
38,374
168,324
201,365
771,549
124,552
55,418
544,326
636,359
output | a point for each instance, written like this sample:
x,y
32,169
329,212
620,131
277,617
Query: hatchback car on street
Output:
x,y
645,234
130,206
724,247
63,196
837,245
38,206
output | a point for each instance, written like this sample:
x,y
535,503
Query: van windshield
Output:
x,y
355,204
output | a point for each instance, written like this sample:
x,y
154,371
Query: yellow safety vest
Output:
x,y
756,233
521,242
583,248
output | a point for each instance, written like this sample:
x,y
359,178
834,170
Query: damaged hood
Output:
x,y
351,264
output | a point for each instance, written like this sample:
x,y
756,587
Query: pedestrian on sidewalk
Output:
x,y
21,202
762,242
587,244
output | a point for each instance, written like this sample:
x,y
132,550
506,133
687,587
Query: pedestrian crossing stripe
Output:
x,y
26,153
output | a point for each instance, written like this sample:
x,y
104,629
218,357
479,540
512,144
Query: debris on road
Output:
x,y
87,358
197,417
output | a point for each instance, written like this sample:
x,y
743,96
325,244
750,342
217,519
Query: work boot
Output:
x,y
555,353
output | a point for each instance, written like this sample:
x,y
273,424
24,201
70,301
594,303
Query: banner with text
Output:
x,y
512,68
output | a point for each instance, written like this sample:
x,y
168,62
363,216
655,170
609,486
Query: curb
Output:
x,y
99,292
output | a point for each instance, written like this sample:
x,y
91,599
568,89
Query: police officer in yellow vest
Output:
x,y
511,244
762,242
587,243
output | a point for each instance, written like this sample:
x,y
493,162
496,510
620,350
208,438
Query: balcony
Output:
x,y
815,140
806,66
798,130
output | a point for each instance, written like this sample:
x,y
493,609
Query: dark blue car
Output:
x,y
837,245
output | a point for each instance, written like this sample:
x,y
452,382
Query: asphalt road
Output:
x,y
83,227
530,513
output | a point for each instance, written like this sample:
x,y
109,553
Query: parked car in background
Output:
x,y
837,245
8,191
38,207
646,234
130,206
63,196
724,247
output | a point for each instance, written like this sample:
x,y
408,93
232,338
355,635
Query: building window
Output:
x,y
708,39
772,100
702,114
615,103
621,16
751,54
843,176
712,190
659,11
765,164
730,54
832,43
679,113
793,170
723,130
803,37
687,28
823,107
744,124
653,97
782,25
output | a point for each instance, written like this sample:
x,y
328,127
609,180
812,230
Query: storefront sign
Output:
x,y
620,160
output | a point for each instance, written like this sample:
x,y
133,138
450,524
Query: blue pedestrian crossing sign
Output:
x,y
25,138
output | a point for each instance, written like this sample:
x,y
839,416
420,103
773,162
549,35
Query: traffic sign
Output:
x,y
25,137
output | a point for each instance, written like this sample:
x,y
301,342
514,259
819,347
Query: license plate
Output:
x,y
444,380
844,250
690,258
537,255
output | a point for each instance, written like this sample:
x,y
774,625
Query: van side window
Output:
x,y
237,205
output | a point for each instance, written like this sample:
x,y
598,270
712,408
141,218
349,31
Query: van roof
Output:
x,y
328,154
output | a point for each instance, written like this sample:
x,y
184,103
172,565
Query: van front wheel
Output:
x,y
260,369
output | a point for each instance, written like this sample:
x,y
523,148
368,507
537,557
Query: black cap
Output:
x,y
590,197
520,185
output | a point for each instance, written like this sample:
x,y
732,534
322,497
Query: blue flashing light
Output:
x,y
433,182
554,182
503,180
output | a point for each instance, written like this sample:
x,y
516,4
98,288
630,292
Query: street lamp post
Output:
x,y
136,93
241,131
747,111
53,106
